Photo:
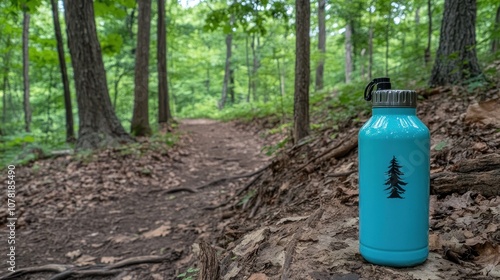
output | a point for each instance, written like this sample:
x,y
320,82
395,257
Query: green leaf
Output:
x,y
439,146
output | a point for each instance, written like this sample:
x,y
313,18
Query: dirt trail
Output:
x,y
131,211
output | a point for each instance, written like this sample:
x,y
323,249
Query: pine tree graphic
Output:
x,y
394,180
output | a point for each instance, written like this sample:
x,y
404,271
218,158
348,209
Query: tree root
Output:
x,y
248,185
336,151
66,271
221,180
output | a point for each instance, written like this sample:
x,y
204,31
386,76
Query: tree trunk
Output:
x,y
164,113
479,175
227,71
348,52
98,124
249,72
26,63
302,70
6,68
427,54
495,42
456,59
370,44
321,44
255,65
140,117
387,33
231,86
70,132
209,265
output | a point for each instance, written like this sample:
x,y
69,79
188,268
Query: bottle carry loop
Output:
x,y
381,83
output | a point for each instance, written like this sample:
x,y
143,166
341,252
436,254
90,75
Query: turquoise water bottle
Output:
x,y
393,179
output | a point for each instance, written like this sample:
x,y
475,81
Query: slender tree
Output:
x,y
26,63
349,64
321,44
302,69
140,118
164,113
5,84
370,42
98,124
456,58
255,45
495,41
227,71
427,54
70,132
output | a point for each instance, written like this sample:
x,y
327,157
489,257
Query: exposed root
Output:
x,y
66,271
221,180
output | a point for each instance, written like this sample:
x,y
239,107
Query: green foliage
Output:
x,y
273,149
190,274
263,62
441,145
249,15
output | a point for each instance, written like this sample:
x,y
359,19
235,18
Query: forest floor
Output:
x,y
123,203
147,211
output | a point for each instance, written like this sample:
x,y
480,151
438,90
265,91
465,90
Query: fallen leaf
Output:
x,y
163,230
250,241
487,112
291,219
85,260
74,254
489,254
258,276
120,238
434,243
110,259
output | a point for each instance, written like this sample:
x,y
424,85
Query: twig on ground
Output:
x,y
336,151
236,195
221,180
65,271
341,174
44,268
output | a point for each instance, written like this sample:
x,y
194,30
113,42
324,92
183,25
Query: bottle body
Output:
x,y
394,149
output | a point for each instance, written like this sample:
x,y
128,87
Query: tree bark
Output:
x,y
348,52
26,63
231,86
480,175
6,67
70,132
427,54
140,118
227,71
387,33
164,113
321,44
370,44
249,72
302,70
495,42
99,126
209,265
456,58
255,65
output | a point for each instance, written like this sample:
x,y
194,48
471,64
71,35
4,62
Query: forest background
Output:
x,y
225,60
